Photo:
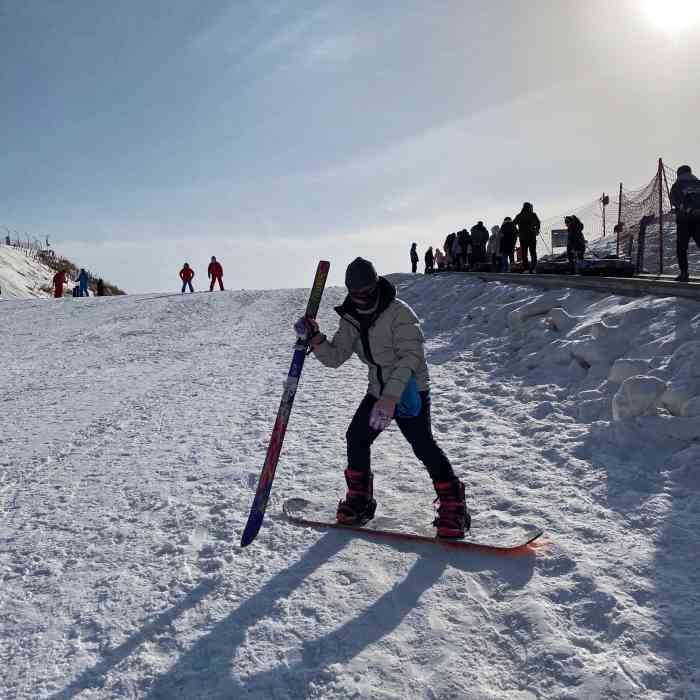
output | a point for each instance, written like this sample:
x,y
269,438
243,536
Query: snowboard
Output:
x,y
307,514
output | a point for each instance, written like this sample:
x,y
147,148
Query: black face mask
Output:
x,y
366,300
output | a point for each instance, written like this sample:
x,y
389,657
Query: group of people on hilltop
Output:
x,y
465,249
215,272
80,288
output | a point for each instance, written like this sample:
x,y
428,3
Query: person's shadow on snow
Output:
x,y
205,670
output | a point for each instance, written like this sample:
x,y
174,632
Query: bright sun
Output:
x,y
673,15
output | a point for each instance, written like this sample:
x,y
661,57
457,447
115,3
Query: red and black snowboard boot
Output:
x,y
358,506
453,518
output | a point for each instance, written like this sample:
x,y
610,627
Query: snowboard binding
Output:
x,y
359,506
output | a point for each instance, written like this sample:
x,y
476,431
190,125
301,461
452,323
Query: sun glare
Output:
x,y
673,15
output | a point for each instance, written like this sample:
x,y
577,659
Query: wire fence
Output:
x,y
627,224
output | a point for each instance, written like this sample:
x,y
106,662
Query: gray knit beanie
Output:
x,y
360,274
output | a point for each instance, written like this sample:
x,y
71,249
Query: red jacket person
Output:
x,y
215,272
186,275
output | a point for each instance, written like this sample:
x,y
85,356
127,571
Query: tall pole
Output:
x,y
602,199
619,220
661,218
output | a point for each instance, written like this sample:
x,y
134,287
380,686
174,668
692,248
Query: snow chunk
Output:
x,y
560,320
637,396
684,386
536,307
624,368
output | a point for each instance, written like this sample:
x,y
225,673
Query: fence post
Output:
x,y
619,221
661,218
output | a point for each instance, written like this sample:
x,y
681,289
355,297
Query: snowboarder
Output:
x,y
186,275
685,198
575,242
59,279
414,258
528,224
385,334
215,272
82,280
429,260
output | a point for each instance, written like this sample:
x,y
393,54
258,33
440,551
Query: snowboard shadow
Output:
x,y
208,670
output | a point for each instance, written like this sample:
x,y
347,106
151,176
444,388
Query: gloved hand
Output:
x,y
305,327
382,413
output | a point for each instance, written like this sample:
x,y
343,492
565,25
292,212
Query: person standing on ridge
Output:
x,y
215,272
100,287
509,237
493,249
480,239
457,253
465,243
439,258
186,275
685,198
386,335
82,280
59,279
414,258
449,262
528,224
429,260
575,242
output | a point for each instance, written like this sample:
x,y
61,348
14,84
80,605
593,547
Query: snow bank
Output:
x,y
21,276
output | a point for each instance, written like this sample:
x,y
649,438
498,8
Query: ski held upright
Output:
x,y
267,475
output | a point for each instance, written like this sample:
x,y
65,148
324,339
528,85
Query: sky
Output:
x,y
273,134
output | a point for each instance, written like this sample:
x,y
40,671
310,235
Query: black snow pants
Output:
x,y
417,431
529,245
685,230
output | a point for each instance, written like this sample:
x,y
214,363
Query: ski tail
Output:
x,y
267,475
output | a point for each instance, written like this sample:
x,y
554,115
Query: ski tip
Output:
x,y
324,266
252,528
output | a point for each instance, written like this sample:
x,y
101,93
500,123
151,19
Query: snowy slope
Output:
x,y
120,570
20,275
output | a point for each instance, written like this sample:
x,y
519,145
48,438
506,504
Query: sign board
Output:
x,y
559,237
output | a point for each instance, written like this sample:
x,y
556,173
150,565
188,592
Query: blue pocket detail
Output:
x,y
410,404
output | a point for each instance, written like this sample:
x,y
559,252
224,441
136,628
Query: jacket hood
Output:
x,y
387,294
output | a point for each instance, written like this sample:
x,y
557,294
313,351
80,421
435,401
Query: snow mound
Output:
x,y
637,396
21,276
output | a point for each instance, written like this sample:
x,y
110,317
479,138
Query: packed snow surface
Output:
x,y
134,429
